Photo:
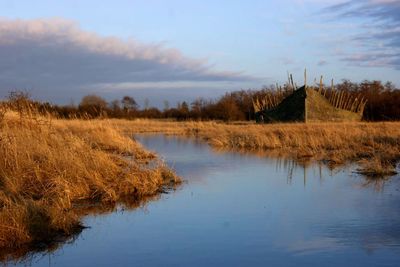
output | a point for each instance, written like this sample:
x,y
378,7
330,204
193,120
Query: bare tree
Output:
x,y
129,103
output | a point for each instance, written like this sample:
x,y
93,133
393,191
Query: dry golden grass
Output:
x,y
375,146
48,167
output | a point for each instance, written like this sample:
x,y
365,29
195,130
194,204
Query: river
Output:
x,y
240,209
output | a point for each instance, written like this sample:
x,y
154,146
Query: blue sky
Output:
x,y
178,50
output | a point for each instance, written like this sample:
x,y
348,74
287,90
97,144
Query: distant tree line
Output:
x,y
383,104
383,99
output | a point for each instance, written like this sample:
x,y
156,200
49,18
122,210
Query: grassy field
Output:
x,y
51,169
375,146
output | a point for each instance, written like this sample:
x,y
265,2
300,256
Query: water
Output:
x,y
245,210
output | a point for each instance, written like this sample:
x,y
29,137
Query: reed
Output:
x,y
332,143
338,99
49,167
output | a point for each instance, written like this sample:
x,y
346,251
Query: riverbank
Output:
x,y
374,146
49,167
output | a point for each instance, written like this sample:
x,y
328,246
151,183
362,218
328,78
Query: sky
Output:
x,y
178,50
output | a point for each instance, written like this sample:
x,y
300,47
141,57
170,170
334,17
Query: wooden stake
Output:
x,y
341,100
363,106
337,99
291,78
320,84
305,78
355,104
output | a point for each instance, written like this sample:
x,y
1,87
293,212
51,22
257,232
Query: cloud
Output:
x,y
56,55
378,42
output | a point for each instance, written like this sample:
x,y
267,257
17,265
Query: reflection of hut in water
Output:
x,y
307,104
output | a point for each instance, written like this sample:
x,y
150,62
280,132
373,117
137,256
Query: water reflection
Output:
x,y
28,254
238,209
291,165
377,183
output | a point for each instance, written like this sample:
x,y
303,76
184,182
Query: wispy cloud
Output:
x,y
378,42
56,53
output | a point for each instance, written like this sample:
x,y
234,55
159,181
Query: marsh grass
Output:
x,y
374,146
27,253
48,167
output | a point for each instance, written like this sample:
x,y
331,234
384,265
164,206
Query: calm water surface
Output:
x,y
244,210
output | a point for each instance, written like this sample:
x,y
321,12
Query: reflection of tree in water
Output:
x,y
292,166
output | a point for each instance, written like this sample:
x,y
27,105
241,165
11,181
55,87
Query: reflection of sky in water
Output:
x,y
243,210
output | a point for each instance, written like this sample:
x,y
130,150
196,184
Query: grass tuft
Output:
x,y
375,146
48,169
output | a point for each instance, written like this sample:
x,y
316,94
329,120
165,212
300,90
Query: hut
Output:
x,y
306,104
